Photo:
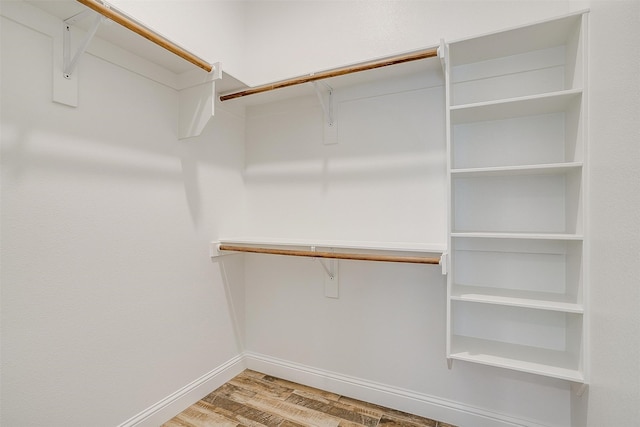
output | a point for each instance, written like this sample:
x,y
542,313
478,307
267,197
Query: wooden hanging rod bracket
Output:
x,y
398,59
129,23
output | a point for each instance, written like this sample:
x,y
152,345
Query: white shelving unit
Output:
x,y
516,176
516,135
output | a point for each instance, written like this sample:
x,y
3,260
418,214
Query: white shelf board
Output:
x,y
387,247
515,40
539,361
540,169
542,236
514,107
516,298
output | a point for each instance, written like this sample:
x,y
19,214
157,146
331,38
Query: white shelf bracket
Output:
x,y
449,363
330,125
196,100
328,270
444,264
70,64
331,282
65,80
328,107
441,54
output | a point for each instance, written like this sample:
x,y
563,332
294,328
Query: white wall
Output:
x,y
110,302
615,202
212,29
383,181
291,38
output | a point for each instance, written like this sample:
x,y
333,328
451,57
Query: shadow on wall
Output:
x,y
52,146
390,136
29,153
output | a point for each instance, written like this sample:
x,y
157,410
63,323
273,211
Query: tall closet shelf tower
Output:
x,y
516,137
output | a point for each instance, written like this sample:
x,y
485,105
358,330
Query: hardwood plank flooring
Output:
x,y
253,399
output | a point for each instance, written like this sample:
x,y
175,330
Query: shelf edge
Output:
x,y
569,375
523,236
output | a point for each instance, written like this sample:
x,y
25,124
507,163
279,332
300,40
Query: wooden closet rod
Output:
x,y
145,32
399,59
333,255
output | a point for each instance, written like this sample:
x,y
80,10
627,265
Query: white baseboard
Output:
x,y
175,403
381,394
384,395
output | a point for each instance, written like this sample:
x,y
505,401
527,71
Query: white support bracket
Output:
x,y
326,109
449,363
444,264
329,122
70,64
441,54
331,281
65,79
196,100
328,270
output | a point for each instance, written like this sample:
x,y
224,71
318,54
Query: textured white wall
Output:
x,y
212,29
383,181
110,302
291,38
615,202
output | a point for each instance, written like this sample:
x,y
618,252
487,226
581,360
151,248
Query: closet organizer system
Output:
x,y
516,137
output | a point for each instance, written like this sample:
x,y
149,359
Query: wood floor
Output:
x,y
253,399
